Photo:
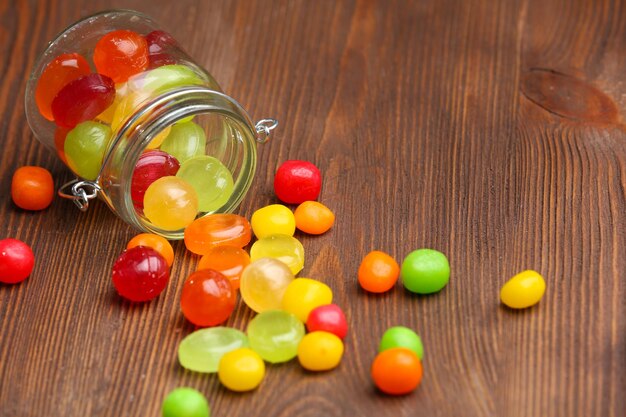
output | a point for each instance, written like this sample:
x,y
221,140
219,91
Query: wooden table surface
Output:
x,y
490,130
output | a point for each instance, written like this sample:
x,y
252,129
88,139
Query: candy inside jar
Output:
x,y
141,124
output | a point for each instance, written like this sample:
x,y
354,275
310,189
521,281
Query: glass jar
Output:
x,y
126,108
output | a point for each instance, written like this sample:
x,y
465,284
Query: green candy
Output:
x,y
275,335
168,77
85,146
400,336
212,181
425,271
185,402
202,350
185,141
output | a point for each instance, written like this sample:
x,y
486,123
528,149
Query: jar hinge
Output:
x,y
263,129
81,192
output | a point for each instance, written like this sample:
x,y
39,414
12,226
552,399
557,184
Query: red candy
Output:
x,y
58,73
297,181
121,54
328,318
151,166
140,274
83,99
208,298
158,44
16,261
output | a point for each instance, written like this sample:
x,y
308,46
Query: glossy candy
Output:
x,y
120,54
271,220
303,295
425,271
208,298
126,107
185,141
400,336
320,351
241,370
158,139
58,73
121,92
397,371
523,290
16,261
167,77
85,147
314,218
275,335
156,242
297,181
60,134
82,99
151,166
286,249
213,230
378,272
212,181
170,203
140,274
202,350
263,284
159,43
230,261
328,318
185,402
32,188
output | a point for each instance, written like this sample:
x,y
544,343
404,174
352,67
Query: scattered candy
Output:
x,y
82,99
297,181
397,371
241,370
208,298
16,261
121,54
32,188
213,230
328,318
202,350
228,260
212,181
400,336
275,335
185,402
170,203
151,166
156,242
286,249
303,295
523,290
271,220
425,271
85,146
378,272
320,351
140,274
263,284
314,218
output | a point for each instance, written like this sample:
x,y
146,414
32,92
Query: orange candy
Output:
x,y
397,371
120,54
32,188
59,142
207,232
229,260
314,218
378,272
156,242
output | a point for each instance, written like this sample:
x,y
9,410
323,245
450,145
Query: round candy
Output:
x,y
523,290
263,284
212,181
127,106
286,249
378,272
328,318
185,402
140,274
397,371
151,166
121,91
170,203
167,77
400,336
16,261
202,350
120,54
85,147
271,220
82,99
185,141
275,335
58,73
241,370
32,188
159,43
158,139
314,218
207,298
156,242
297,181
425,271
303,295
218,229
320,351
228,260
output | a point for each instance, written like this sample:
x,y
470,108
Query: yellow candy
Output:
x,y
523,290
285,248
241,370
273,219
303,295
107,115
158,139
170,203
320,351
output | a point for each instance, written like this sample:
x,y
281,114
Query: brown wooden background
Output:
x,y
490,130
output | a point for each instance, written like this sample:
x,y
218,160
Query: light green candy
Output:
x,y
185,141
286,249
400,336
212,181
202,350
85,146
185,402
275,335
170,76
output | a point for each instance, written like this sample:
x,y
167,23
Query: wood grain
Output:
x,y
431,131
